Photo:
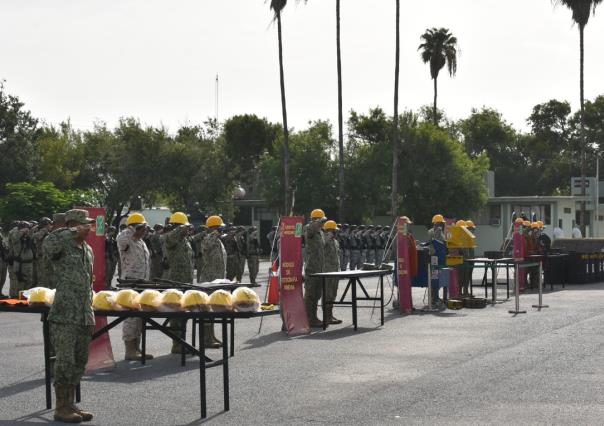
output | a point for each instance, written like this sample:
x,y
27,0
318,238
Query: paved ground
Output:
x,y
454,367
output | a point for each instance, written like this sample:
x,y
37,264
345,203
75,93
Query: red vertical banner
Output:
x,y
290,276
100,352
403,267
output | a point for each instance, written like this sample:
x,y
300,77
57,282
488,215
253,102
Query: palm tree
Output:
x,y
439,48
581,9
340,121
396,136
277,7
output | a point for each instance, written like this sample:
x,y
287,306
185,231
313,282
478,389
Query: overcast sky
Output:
x,y
157,60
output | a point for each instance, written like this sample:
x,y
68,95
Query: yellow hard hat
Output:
x,y
461,223
330,225
246,300
317,214
438,218
221,301
214,221
534,225
171,299
196,300
470,224
103,300
127,299
526,223
38,296
179,218
136,219
149,300
541,224
519,221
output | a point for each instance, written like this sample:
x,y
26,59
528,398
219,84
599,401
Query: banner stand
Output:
x,y
517,291
540,305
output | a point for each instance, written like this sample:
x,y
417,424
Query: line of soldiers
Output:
x,y
361,244
23,257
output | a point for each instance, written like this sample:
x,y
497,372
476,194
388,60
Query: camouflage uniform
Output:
x,y
314,263
23,254
155,248
3,262
196,243
369,246
134,256
241,239
214,257
48,263
230,245
40,271
332,264
180,257
380,245
71,316
253,251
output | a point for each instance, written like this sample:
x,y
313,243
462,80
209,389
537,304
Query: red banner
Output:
x,y
290,276
100,352
403,267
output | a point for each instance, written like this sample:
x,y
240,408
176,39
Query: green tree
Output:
x,y
438,48
581,10
18,130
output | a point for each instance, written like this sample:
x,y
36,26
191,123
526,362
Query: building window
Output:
x,y
495,214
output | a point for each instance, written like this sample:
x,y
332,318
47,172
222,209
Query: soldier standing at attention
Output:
x,y
232,261
71,317
180,257
23,255
241,238
44,228
155,247
253,251
314,263
135,259
111,255
332,264
197,239
214,261
344,246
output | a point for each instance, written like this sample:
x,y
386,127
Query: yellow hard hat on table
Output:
x,y
136,219
317,214
179,218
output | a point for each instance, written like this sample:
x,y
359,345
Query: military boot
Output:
x,y
63,411
209,339
330,318
86,416
132,353
139,351
313,321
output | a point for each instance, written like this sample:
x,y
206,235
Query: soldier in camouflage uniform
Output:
x,y
214,261
241,238
71,317
355,250
253,251
111,255
332,264
180,258
380,244
22,251
342,236
202,231
369,245
58,220
3,262
314,263
155,250
136,264
232,250
44,228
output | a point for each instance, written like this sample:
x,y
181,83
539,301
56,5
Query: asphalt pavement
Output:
x,y
466,367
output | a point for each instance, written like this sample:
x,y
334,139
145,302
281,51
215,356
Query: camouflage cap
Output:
x,y
79,216
58,218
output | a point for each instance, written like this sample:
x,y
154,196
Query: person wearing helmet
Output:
x,y
213,265
136,265
355,249
313,264
229,240
253,251
332,264
58,220
202,231
438,243
22,251
71,317
44,228
179,254
155,250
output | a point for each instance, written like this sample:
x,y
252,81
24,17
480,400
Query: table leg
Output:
x,y
232,321
507,280
382,298
354,302
485,281
46,334
494,277
144,342
323,307
183,336
193,331
225,364
202,371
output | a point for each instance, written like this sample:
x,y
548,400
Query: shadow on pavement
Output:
x,y
24,420
22,386
134,371
264,340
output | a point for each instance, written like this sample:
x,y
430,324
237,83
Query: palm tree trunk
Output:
x,y
582,95
285,129
340,121
396,136
435,111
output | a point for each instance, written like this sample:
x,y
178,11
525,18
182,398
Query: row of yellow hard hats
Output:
x,y
439,218
330,225
178,218
528,224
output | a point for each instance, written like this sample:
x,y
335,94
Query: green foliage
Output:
x,y
25,200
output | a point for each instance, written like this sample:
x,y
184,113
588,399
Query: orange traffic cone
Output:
x,y
273,286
